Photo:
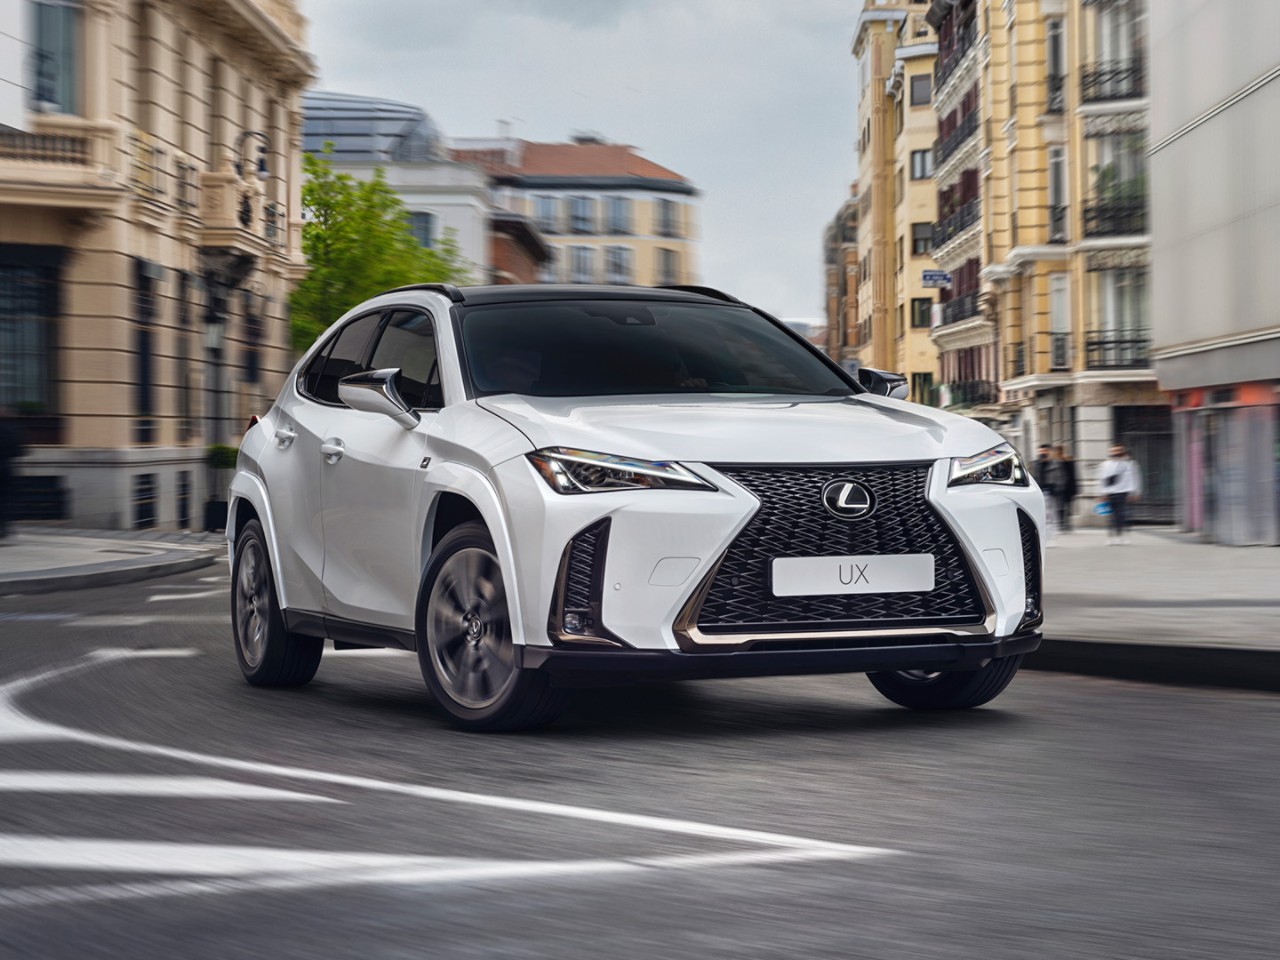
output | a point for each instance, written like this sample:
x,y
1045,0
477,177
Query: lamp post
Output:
x,y
262,170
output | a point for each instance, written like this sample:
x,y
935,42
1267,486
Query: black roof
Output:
x,y
533,292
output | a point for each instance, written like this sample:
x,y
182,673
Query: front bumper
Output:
x,y
585,667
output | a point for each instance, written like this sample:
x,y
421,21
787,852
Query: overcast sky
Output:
x,y
752,100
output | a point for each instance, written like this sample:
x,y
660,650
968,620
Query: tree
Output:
x,y
357,243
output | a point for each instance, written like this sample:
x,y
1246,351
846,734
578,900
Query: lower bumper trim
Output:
x,y
595,667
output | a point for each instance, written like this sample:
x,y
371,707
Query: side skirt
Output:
x,y
347,634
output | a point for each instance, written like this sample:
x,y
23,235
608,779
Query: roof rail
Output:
x,y
705,291
448,289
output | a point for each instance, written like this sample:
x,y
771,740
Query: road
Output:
x,y
154,805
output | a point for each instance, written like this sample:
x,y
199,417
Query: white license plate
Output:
x,y
812,576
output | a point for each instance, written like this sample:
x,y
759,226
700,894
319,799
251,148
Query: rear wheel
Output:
x,y
946,690
465,644
268,654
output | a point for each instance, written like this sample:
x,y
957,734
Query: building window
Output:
x,y
146,275
901,258
921,89
921,239
581,266
668,266
900,184
252,335
921,164
922,389
184,499
668,225
1059,322
549,271
1122,302
144,501
55,78
618,213
28,305
581,215
921,313
544,212
617,264
901,313
186,412
423,227
1057,195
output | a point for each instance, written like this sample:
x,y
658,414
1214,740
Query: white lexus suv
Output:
x,y
543,487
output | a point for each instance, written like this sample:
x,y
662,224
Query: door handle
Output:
x,y
332,450
285,436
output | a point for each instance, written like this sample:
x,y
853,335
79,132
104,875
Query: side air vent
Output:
x,y
1031,573
575,607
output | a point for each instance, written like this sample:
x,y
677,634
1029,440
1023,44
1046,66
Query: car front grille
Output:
x,y
792,522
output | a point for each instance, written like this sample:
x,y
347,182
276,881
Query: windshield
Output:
x,y
586,348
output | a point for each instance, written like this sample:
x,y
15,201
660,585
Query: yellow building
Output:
x,y
150,234
840,259
895,50
609,214
1045,334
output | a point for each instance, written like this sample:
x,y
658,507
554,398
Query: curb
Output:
x,y
105,575
1237,667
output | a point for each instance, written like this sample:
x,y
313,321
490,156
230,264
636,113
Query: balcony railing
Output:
x,y
944,147
971,393
1114,218
1107,351
1058,224
44,148
1057,93
960,308
1115,80
964,41
965,217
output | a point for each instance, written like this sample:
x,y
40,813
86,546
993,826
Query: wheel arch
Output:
x,y
249,502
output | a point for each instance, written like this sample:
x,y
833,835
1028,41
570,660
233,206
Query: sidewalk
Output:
x,y
40,559
1165,607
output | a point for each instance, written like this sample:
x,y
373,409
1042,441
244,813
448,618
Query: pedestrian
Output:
x,y
10,450
1068,481
1119,484
1045,470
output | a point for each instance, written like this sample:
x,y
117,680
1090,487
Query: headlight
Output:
x,y
998,465
580,471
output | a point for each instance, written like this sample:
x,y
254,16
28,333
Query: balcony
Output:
x,y
1057,93
66,162
1118,217
944,147
1106,351
44,148
964,42
963,218
1114,80
960,308
971,393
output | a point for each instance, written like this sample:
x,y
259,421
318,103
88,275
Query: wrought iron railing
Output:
x,y
966,216
1114,80
960,308
1116,217
1109,351
944,147
44,148
964,41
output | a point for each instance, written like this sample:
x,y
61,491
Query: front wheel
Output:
x,y
465,645
946,690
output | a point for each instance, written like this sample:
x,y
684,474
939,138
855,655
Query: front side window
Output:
x,y
55,79
408,343
343,356
616,347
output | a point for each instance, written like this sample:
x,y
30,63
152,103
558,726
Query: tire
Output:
x,y
268,654
957,690
465,645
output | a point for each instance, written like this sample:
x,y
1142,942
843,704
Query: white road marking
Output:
x,y
143,620
184,596
370,652
222,579
144,785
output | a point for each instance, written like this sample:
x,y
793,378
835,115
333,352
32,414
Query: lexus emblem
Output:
x,y
848,500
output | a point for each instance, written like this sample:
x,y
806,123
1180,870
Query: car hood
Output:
x,y
736,429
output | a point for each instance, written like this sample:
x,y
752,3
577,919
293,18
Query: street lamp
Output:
x,y
265,145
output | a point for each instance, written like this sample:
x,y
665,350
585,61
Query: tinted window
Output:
x,y
342,358
608,348
408,342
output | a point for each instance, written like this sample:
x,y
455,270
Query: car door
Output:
x,y
292,467
373,491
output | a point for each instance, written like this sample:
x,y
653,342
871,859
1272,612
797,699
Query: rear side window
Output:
x,y
342,357
408,343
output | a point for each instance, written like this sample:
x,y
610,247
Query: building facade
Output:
x,y
895,52
840,263
150,235
443,197
608,214
1042,124
1215,192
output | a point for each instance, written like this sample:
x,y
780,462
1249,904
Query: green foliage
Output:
x,y
220,456
357,243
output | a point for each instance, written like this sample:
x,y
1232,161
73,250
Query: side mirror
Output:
x,y
884,384
374,391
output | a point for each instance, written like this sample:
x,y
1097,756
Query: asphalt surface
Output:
x,y
154,805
